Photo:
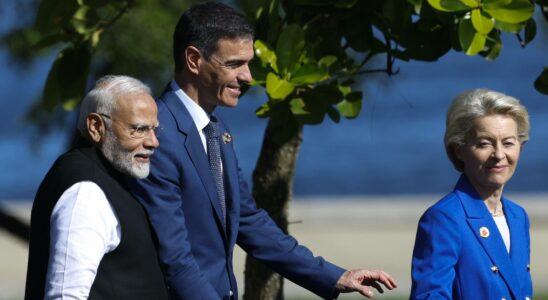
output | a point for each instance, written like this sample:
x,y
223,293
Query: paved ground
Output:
x,y
372,232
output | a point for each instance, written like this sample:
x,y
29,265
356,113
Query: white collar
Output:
x,y
198,114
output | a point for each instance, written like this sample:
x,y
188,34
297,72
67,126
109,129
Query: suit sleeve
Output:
x,y
160,194
260,237
436,252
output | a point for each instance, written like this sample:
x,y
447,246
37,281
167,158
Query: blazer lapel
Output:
x,y
194,147
486,232
518,237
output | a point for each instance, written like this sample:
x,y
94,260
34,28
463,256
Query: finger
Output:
x,y
387,280
365,291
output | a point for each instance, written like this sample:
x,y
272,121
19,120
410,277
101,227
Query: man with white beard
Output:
x,y
89,237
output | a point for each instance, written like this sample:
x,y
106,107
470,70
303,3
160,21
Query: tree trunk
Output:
x,y
272,189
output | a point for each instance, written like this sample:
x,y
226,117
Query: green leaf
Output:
x,y
289,48
509,27
541,83
52,12
309,73
495,47
482,22
67,77
471,3
492,4
263,111
327,61
333,114
298,109
266,55
336,3
354,96
530,30
84,20
448,5
516,12
278,88
417,5
471,41
350,110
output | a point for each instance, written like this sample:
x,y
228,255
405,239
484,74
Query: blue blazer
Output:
x,y
453,260
195,248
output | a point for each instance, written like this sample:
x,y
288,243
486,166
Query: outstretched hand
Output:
x,y
360,280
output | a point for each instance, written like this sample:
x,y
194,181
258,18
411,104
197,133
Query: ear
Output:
x,y
96,127
193,59
457,150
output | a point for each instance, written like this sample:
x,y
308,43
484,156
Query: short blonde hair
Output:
x,y
478,103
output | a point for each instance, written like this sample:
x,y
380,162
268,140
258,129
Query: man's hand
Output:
x,y
359,280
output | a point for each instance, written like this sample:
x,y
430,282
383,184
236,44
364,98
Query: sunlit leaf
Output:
x,y
278,88
471,3
309,73
266,55
492,4
448,5
350,110
516,12
482,23
509,27
290,46
471,41
303,116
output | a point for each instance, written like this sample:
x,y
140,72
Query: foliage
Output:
x,y
310,52
93,38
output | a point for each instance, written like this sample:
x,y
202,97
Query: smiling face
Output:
x,y
490,153
222,75
127,149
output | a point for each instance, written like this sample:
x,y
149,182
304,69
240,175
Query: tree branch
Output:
x,y
14,225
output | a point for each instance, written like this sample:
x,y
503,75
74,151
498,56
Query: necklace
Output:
x,y
497,212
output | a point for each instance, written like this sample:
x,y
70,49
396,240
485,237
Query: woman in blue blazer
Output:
x,y
474,243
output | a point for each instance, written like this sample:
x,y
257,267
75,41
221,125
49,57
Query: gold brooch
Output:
x,y
484,232
227,138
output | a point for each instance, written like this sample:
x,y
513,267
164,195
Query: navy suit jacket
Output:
x,y
460,254
195,248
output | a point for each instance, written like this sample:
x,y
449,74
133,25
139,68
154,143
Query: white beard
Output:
x,y
122,160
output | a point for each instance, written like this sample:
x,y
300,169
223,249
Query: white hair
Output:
x,y
103,98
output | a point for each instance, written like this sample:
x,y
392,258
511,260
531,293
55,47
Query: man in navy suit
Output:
x,y
197,222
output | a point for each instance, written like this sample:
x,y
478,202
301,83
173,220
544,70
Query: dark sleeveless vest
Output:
x,y
132,270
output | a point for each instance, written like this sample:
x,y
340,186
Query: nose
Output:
x,y
498,152
245,74
151,141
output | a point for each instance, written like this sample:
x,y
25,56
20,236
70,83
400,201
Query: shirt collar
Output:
x,y
198,114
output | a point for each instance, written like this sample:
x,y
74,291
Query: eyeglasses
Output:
x,y
136,131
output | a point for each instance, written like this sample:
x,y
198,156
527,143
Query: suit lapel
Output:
x,y
194,147
486,232
518,236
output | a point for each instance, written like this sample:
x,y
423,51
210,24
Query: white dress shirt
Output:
x,y
504,230
198,114
83,228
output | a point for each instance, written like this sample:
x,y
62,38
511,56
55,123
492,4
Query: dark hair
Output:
x,y
203,25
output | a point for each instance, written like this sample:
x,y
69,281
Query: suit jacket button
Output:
x,y
495,269
527,298
528,267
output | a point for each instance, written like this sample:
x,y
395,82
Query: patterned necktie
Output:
x,y
211,132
